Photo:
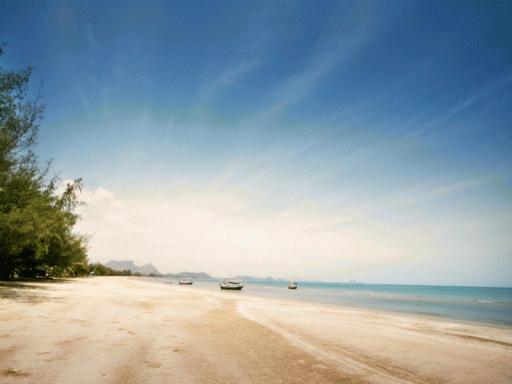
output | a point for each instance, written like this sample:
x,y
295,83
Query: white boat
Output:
x,y
185,282
233,285
292,285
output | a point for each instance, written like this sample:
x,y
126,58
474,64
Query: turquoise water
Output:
x,y
476,304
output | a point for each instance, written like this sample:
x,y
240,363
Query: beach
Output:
x,y
127,330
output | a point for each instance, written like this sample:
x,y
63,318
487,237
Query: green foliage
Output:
x,y
36,220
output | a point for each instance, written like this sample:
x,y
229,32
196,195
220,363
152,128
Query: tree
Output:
x,y
36,222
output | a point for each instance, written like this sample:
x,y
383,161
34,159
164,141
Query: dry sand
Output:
x,y
122,330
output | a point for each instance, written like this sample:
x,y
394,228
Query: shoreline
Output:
x,y
123,330
363,308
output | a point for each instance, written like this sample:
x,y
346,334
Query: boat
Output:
x,y
185,282
232,285
292,285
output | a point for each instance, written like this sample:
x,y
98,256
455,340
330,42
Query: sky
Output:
x,y
334,141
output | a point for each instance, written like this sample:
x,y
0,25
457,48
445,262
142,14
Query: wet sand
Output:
x,y
123,330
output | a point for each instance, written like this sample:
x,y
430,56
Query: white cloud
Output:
x,y
223,232
100,196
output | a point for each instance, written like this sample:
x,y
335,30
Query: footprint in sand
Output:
x,y
70,341
14,373
127,330
8,350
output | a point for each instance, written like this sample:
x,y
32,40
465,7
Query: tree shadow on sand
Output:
x,y
27,291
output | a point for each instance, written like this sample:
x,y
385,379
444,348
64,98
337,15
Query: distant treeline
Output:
x,y
37,218
78,270
98,269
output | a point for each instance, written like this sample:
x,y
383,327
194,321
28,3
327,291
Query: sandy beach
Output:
x,y
125,330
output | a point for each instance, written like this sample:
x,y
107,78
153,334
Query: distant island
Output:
x,y
150,270
189,275
254,278
129,265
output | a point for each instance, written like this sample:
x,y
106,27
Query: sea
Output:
x,y
489,305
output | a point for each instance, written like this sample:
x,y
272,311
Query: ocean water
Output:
x,y
475,304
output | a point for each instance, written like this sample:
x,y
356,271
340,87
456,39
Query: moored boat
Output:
x,y
233,285
185,282
292,285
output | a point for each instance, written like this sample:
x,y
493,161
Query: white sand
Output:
x,y
121,330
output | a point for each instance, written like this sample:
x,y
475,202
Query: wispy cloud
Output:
x,y
91,40
395,203
479,96
231,76
342,37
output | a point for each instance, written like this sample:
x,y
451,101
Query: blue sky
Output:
x,y
333,140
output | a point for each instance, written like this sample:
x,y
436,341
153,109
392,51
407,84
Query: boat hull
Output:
x,y
232,288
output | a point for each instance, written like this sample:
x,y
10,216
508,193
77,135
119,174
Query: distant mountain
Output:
x,y
123,265
149,268
189,275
